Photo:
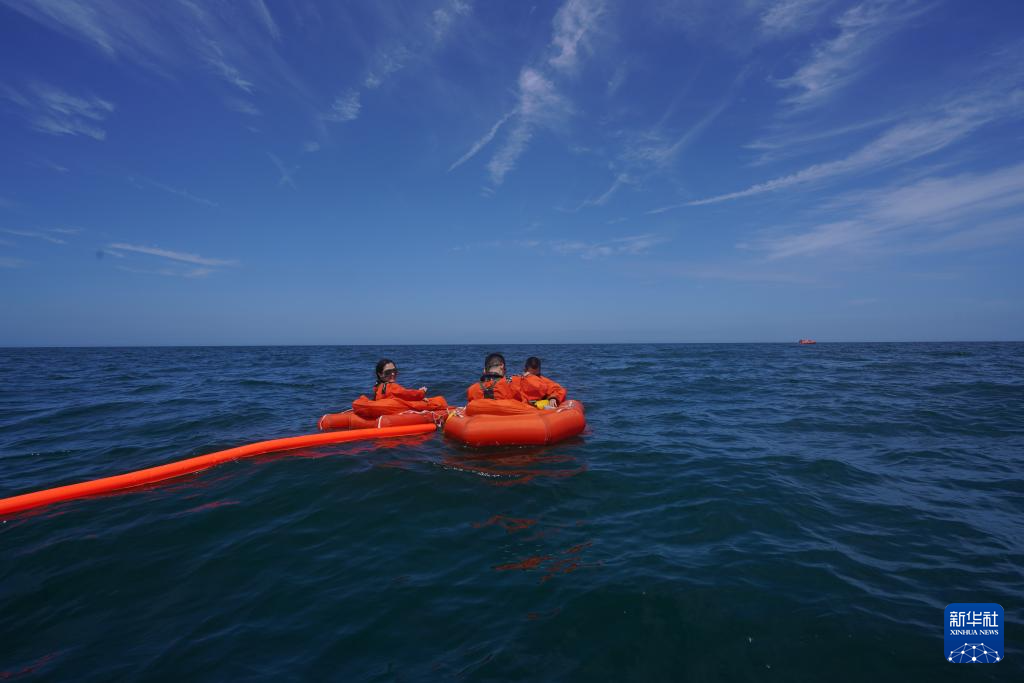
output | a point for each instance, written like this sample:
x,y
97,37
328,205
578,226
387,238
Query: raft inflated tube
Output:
x,y
349,420
152,475
491,422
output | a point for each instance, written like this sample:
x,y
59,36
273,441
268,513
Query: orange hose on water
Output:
x,y
151,475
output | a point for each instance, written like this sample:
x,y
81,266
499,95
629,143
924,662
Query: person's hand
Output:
x,y
423,389
553,403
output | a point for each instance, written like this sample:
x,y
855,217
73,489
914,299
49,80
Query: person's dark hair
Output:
x,y
493,359
532,363
380,368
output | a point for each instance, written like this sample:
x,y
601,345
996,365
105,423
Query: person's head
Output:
x,y
386,370
495,364
532,366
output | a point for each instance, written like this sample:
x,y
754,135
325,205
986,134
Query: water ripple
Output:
x,y
728,505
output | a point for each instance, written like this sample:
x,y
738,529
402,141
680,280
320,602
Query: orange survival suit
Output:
x,y
539,387
492,385
396,390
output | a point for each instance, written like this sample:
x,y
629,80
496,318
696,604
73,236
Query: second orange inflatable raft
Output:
x,y
388,412
495,422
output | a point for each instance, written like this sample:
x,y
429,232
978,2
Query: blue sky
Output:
x,y
264,172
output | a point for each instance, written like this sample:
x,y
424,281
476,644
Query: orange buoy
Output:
x,y
176,469
497,422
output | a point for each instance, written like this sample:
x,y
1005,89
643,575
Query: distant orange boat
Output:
x,y
808,341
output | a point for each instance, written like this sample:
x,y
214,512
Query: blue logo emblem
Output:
x,y
974,633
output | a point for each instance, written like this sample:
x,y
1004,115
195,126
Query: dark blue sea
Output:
x,y
733,512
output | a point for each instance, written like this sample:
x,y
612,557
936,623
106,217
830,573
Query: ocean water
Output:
x,y
733,512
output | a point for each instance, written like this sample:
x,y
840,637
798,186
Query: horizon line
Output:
x,y
6,347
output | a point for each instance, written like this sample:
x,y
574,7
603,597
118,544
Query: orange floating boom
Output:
x,y
151,475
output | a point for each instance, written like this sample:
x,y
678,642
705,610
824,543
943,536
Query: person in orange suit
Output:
x,y
536,387
493,383
387,385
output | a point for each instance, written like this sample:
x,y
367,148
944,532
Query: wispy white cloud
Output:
x,y
899,144
826,237
171,264
287,172
445,17
787,17
44,235
420,39
228,40
344,108
540,104
8,262
217,61
734,26
944,198
242,106
616,81
180,256
311,146
482,142
504,160
54,166
575,26
80,19
385,64
184,194
263,14
750,272
632,245
961,211
652,148
981,236
657,148
841,59
791,141
169,272
620,181
49,109
494,244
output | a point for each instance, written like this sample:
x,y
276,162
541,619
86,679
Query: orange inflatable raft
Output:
x,y
387,412
496,422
